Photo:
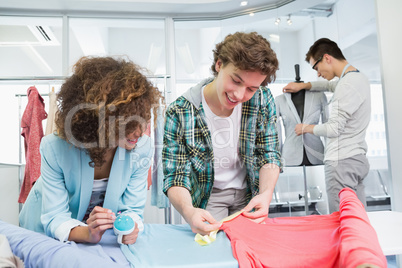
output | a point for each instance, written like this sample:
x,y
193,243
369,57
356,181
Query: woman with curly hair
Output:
x,y
96,164
221,150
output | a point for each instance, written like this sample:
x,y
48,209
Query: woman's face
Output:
x,y
236,86
130,141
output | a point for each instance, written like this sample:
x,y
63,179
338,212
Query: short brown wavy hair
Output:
x,y
324,46
248,52
104,97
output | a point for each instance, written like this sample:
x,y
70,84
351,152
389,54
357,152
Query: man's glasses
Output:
x,y
315,64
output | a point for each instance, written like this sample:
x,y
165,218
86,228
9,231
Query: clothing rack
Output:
x,y
47,79
25,95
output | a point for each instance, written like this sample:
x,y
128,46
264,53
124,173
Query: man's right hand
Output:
x,y
294,87
201,221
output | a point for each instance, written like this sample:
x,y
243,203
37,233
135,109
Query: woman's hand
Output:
x,y
131,238
98,222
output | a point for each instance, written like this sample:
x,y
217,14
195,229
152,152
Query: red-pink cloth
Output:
x,y
32,131
359,241
341,239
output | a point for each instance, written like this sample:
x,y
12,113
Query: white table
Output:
x,y
388,225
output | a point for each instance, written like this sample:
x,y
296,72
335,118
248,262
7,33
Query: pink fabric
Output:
x,y
341,239
32,131
359,241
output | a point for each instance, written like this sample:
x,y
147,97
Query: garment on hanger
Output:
x,y
158,198
148,133
32,131
51,117
342,239
295,149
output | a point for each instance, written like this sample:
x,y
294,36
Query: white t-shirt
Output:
x,y
98,195
230,172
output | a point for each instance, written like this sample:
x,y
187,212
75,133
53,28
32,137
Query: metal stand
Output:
x,y
168,215
305,191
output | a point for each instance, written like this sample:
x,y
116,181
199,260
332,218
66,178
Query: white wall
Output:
x,y
9,191
389,21
352,26
288,55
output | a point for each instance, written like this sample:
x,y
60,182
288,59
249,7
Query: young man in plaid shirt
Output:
x,y
221,151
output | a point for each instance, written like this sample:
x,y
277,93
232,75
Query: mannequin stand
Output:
x,y
305,191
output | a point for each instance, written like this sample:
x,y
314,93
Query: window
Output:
x,y
30,46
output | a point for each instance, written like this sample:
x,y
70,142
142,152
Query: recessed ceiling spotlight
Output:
x,y
277,21
243,3
252,14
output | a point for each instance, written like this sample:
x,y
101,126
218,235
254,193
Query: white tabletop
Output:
x,y
388,225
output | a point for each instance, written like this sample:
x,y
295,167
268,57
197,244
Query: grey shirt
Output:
x,y
349,118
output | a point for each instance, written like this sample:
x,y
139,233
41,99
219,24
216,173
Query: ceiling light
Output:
x,y
277,21
251,14
289,21
243,3
274,38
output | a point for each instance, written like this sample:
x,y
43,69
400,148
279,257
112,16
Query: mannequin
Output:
x,y
304,150
294,108
298,101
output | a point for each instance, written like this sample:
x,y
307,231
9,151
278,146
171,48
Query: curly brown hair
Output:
x,y
103,100
248,52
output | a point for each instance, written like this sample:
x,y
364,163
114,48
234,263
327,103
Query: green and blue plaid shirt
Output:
x,y
187,153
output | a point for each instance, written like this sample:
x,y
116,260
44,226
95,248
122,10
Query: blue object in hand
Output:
x,y
123,225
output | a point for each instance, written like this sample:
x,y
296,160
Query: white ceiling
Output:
x,y
163,8
301,12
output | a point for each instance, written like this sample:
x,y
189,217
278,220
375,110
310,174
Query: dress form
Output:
x,y
298,101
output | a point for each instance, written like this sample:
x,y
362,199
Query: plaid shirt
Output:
x,y
187,153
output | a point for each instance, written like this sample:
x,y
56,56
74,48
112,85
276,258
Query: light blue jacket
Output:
x,y
62,193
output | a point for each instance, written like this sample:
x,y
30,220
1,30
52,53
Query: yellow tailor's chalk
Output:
x,y
204,240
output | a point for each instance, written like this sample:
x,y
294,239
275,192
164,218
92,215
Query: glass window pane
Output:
x,y
195,40
30,46
142,41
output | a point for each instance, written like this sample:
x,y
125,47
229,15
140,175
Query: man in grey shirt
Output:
x,y
346,164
